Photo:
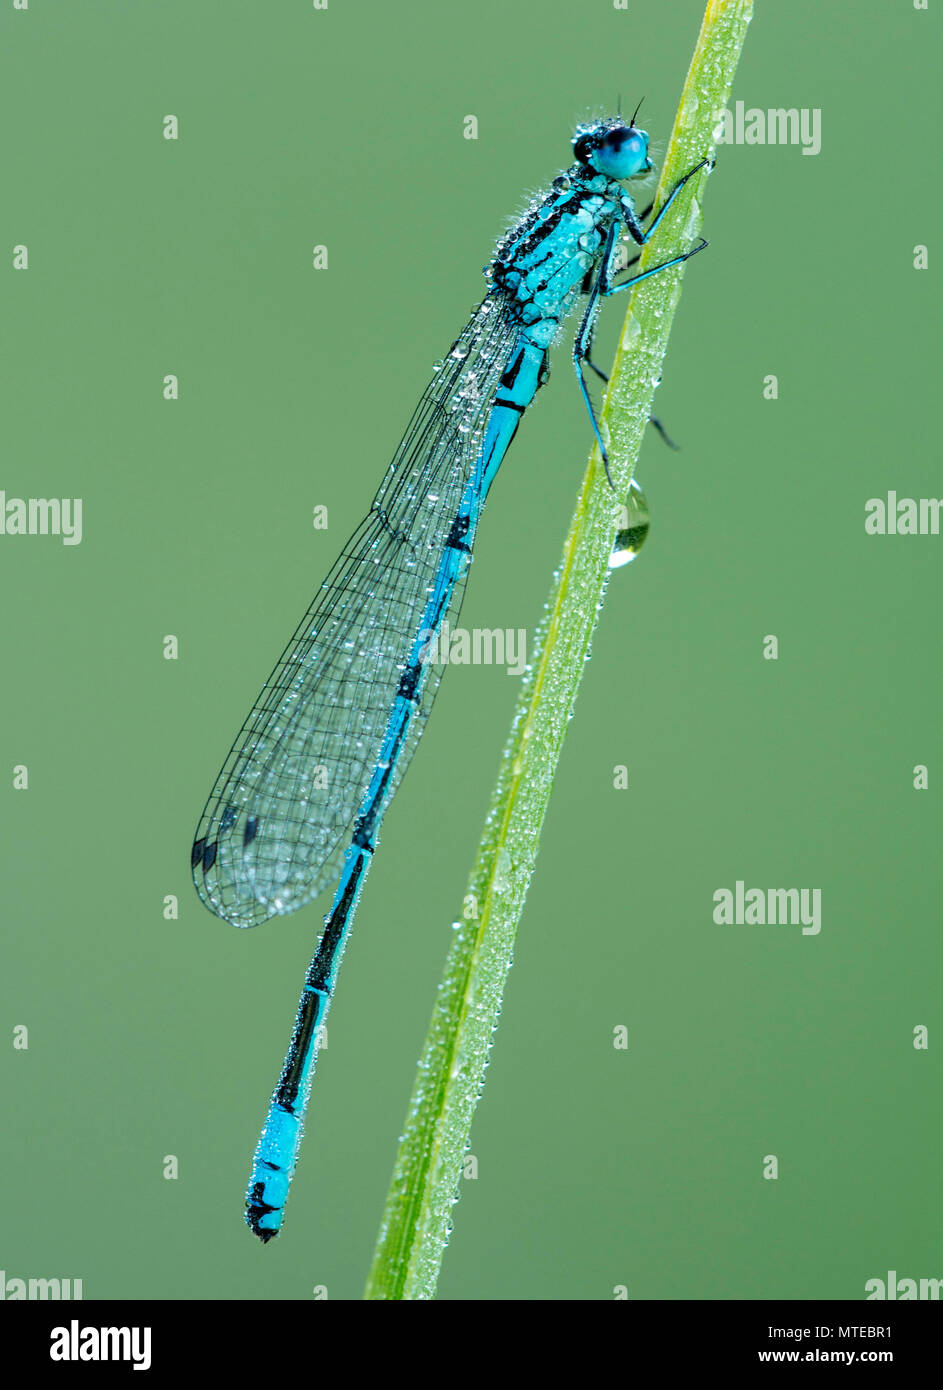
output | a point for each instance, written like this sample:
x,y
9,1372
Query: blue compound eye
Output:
x,y
622,153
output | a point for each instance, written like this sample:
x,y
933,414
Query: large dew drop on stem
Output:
x,y
633,528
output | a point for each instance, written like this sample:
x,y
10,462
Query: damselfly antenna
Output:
x,y
635,113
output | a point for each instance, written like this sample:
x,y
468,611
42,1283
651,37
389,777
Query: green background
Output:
x,y
148,1037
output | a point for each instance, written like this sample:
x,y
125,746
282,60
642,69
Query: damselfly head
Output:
x,y
613,148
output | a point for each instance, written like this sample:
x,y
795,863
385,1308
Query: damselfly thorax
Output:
x,y
542,264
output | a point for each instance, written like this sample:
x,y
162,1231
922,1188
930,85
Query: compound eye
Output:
x,y
623,153
623,142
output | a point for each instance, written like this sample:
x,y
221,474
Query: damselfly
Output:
x,y
301,796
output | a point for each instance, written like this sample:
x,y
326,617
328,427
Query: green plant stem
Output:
x,y
417,1216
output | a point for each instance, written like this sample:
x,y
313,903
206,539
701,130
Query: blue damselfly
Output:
x,y
348,698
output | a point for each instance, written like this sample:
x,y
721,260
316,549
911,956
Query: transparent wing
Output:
x,y
275,827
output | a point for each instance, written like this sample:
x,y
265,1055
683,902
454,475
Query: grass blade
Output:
x,y
417,1216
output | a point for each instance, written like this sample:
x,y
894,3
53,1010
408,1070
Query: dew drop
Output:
x,y
631,331
633,528
502,870
689,109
